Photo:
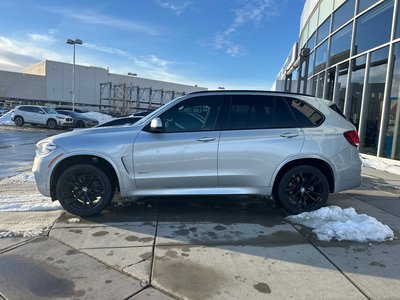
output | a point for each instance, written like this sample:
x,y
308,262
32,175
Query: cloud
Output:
x,y
14,54
176,7
41,38
105,49
93,18
252,12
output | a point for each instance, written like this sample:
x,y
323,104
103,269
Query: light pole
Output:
x,y
73,42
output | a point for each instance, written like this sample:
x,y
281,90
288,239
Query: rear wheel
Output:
x,y
51,123
80,124
19,121
84,190
303,188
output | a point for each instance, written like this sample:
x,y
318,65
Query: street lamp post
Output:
x,y
73,42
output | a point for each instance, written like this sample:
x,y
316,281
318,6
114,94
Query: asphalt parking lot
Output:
x,y
197,248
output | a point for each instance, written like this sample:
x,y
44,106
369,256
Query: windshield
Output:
x,y
49,110
150,116
71,113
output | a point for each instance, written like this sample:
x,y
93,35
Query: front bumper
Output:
x,y
42,169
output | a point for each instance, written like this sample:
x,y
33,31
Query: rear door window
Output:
x,y
259,112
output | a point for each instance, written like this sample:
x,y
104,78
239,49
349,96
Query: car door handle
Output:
x,y
205,139
289,135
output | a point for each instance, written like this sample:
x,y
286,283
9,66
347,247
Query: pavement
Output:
x,y
204,248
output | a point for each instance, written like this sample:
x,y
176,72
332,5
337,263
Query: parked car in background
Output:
x,y
3,111
39,115
80,120
293,147
121,121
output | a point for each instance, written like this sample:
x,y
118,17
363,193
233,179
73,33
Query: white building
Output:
x,y
51,81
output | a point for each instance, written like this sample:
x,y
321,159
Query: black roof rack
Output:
x,y
248,91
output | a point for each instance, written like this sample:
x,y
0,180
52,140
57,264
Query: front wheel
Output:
x,y
84,190
51,123
303,188
19,121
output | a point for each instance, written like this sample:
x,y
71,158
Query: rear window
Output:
x,y
336,108
305,114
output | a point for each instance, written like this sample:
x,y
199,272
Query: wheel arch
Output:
x,y
94,160
318,163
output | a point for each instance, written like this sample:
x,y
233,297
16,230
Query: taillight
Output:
x,y
352,137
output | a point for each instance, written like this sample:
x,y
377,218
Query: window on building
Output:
x,y
311,64
320,85
311,42
340,45
325,9
330,83
313,88
373,101
341,84
321,54
374,27
397,32
323,30
343,14
364,4
392,137
356,89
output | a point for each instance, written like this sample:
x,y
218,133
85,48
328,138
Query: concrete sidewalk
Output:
x,y
206,248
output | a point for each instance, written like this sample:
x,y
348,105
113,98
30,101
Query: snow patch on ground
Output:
x,y
74,220
6,119
33,202
22,178
333,222
28,233
379,163
102,118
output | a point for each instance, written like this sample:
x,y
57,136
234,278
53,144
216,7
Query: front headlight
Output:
x,y
46,147
60,118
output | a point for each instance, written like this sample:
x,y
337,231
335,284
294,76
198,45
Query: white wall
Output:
x,y
21,85
88,80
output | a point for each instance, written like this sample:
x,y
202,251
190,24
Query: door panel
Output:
x,y
250,157
174,160
185,154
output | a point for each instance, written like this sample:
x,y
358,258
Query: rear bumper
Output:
x,y
348,169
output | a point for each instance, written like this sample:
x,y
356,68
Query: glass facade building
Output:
x,y
354,60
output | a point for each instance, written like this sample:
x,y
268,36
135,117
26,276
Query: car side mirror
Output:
x,y
156,125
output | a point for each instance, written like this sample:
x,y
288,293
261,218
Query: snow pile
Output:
x,y
102,118
380,163
333,222
33,202
6,119
27,233
22,178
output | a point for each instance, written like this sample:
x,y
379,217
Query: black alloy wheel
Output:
x,y
84,190
51,123
303,188
19,121
80,124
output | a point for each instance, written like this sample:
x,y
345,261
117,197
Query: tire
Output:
x,y
80,124
19,121
84,190
51,123
303,188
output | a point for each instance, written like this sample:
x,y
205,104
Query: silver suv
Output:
x,y
39,115
294,147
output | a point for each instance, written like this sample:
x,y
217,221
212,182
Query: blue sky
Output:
x,y
210,43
